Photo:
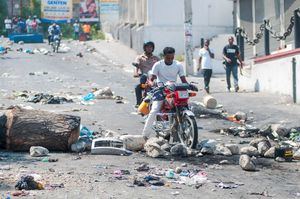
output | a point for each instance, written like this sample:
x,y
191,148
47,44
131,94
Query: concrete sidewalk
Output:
x,y
265,108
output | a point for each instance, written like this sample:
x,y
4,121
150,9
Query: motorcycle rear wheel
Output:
x,y
189,133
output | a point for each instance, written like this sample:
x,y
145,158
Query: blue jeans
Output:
x,y
234,70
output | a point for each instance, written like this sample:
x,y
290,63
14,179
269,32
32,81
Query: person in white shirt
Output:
x,y
8,25
28,24
205,63
163,71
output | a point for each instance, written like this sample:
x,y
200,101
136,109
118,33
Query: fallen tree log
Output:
x,y
26,128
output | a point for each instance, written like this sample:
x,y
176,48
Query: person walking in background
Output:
x,y
76,28
35,24
86,30
28,25
8,25
21,26
205,63
231,54
15,24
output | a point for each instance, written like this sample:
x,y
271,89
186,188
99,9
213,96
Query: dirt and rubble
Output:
x,y
232,159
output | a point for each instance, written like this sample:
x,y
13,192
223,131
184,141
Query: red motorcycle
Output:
x,y
175,122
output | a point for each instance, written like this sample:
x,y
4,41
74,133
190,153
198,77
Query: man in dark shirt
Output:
x,y
231,54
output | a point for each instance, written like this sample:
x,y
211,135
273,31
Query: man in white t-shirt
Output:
x,y
8,24
205,62
163,71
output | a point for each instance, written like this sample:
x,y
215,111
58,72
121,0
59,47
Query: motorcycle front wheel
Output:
x,y
188,133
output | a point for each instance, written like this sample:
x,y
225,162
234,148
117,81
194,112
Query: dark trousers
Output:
x,y
49,39
207,75
76,35
139,89
234,70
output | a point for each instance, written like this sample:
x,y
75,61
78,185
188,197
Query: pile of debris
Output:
x,y
41,97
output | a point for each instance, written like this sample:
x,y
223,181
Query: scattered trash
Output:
x,y
227,185
108,146
170,174
54,186
104,93
85,132
38,151
28,183
295,135
47,159
79,55
175,193
89,97
48,99
284,153
224,162
143,168
20,193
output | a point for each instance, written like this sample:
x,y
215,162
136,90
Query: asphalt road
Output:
x,y
91,176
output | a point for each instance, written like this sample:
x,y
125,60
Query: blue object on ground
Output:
x,y
89,96
85,132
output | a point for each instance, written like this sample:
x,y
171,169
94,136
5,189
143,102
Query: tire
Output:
x,y
190,140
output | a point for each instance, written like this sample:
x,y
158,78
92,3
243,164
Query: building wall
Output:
x,y
163,21
273,76
279,12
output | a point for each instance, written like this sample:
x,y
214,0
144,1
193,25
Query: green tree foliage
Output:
x,y
3,14
34,10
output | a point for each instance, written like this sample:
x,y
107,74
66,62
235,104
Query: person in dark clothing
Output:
x,y
231,54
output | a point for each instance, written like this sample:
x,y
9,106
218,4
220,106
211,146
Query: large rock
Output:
x,y
296,155
222,150
263,147
255,141
38,151
246,163
179,150
133,142
153,147
249,150
210,102
280,130
234,148
270,153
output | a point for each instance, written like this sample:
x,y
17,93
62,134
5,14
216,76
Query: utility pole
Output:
x,y
188,37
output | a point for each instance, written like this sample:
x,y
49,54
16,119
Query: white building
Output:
x,y
162,21
278,72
